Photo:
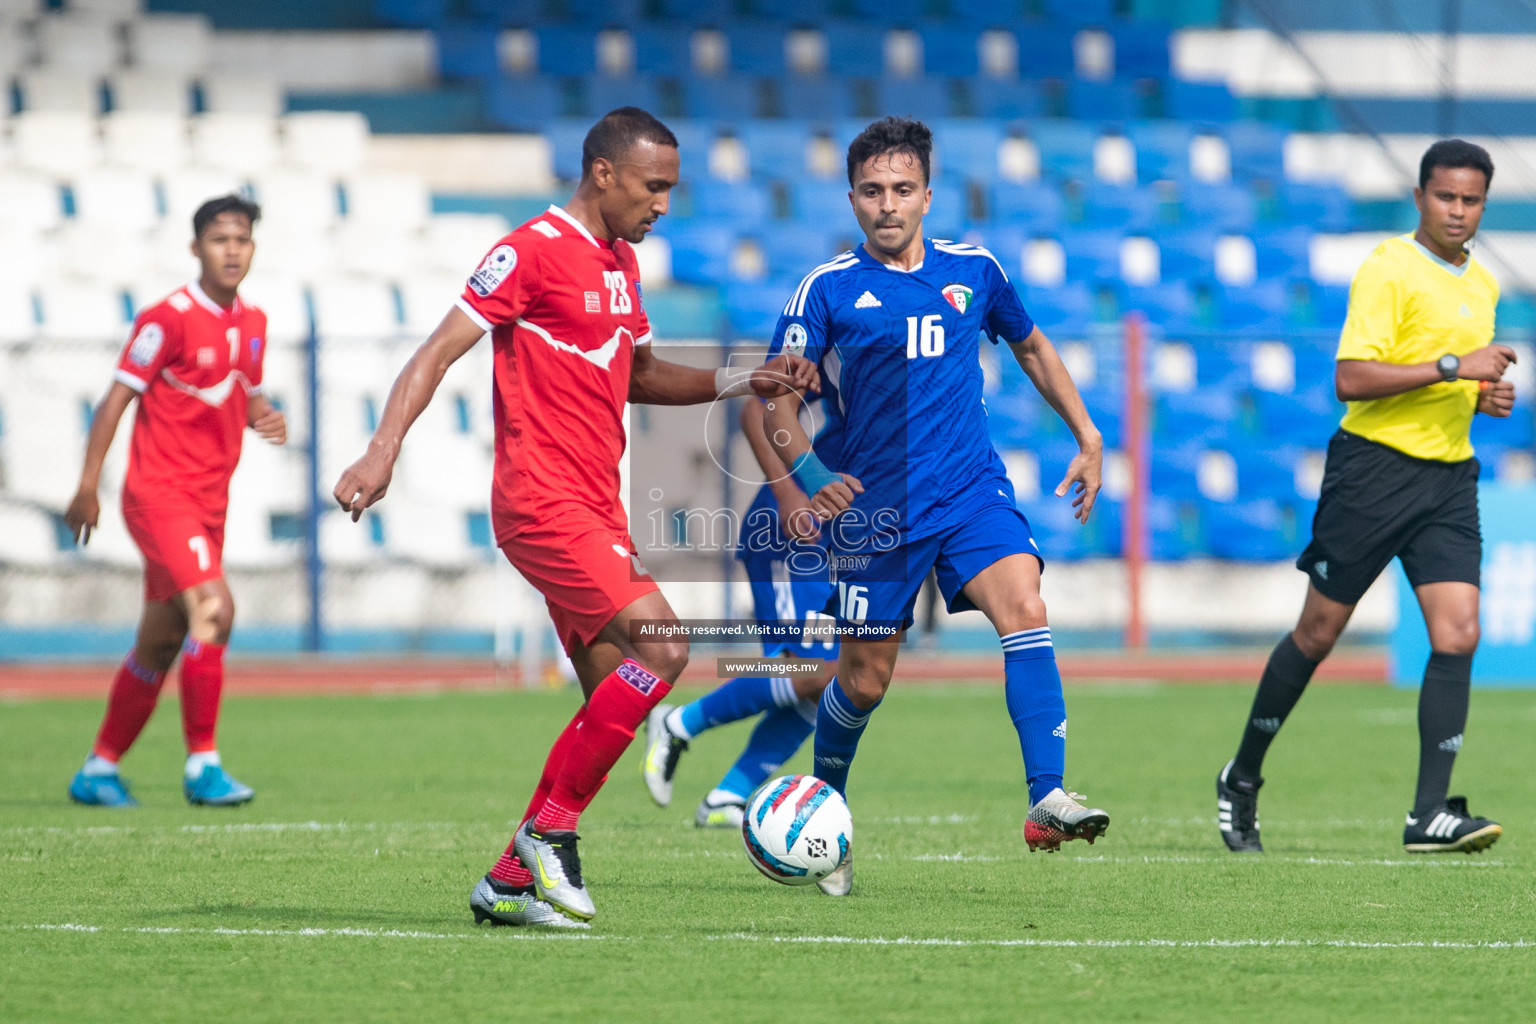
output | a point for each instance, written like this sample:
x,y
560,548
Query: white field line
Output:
x,y
271,826
814,940
974,858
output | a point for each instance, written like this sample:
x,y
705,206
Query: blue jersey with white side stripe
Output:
x,y
899,358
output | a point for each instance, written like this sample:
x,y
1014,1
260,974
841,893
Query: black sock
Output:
x,y
1442,717
1285,677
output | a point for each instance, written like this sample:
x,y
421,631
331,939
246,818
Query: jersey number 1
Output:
x,y
925,339
618,291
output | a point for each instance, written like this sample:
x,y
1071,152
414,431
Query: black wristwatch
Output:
x,y
1449,366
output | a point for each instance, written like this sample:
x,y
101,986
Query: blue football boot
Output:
x,y
100,790
217,788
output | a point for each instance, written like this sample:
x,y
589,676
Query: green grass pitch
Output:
x,y
341,893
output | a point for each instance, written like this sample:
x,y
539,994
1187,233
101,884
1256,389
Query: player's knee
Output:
x,y
809,687
1315,638
864,689
666,659
159,654
212,618
1458,636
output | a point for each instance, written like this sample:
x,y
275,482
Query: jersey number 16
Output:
x,y
926,338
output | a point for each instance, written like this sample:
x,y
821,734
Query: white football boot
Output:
x,y
840,881
1059,818
662,749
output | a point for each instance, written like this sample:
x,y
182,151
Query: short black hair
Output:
x,y
892,135
1456,153
620,129
213,208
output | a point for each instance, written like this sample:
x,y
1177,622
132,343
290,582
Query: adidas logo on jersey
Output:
x,y
866,301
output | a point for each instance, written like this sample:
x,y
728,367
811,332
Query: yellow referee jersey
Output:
x,y
1407,305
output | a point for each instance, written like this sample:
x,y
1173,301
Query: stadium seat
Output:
x,y
1101,101
1188,255
1092,254
1162,150
701,253
1066,149
726,98
283,298
332,142
1175,528
28,535
1045,50
1222,208
354,308
564,50
950,50
927,98
155,142
453,244
297,200
169,43
187,189
1194,417
157,93
1282,253
79,43
1267,472
818,100
1306,416
1320,206
18,311
1169,305
605,93
1067,310
29,202
75,310
756,47
1122,207
468,50
241,94
821,202
59,92
117,200
744,203
1007,100
1205,102
966,150
753,309
853,50
401,201
59,144
1036,208
793,249
243,143
381,251
776,149
1263,530
1262,307
426,300
1258,151
28,258
533,103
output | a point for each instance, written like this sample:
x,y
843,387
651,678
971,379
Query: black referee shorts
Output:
x,y
1378,504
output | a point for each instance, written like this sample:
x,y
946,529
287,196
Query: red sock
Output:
x,y
129,705
509,869
202,683
618,706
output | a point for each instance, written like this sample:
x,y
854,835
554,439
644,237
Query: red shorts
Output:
x,y
586,569
182,548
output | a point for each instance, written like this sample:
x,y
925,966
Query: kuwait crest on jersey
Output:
x,y
957,295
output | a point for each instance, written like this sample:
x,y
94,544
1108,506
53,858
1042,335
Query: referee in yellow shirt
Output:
x,y
1415,363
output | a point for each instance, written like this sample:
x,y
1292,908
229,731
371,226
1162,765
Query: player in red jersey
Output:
x,y
194,364
561,298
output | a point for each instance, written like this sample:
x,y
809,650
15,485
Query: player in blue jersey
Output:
x,y
896,327
783,549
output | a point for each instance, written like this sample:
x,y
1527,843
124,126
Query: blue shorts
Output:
x,y
883,587
792,590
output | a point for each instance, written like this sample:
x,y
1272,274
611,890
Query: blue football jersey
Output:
x,y
899,358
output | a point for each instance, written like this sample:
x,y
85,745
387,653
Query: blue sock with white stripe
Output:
x,y
839,724
774,740
1039,713
731,702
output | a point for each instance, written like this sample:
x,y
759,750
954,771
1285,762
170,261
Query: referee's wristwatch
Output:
x,y
1449,366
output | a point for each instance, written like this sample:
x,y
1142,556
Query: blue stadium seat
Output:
x,y
565,138
1188,254
1065,311
950,50
1267,472
1207,102
1079,12
1261,308
1203,416
662,49
1127,208
1175,469
1162,150
776,149
966,149
1330,302
745,204
927,98
793,249
528,104
1045,50
1175,529
1014,416
1282,252
1169,305
1006,101
1225,209
565,50
730,98
1258,151
1307,416
1066,149
950,213
821,202
853,49
1263,530
1036,208
753,310
1101,101
411,13
602,13
819,100
1092,254
605,93
757,47
885,12
1007,241
1058,535
467,50
1514,431
1141,49
1319,206
701,253
693,142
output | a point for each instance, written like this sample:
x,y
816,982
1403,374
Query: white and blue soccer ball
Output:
x,y
797,829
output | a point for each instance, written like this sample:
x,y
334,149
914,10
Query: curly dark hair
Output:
x,y
892,135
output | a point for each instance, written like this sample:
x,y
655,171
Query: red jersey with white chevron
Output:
x,y
564,314
194,365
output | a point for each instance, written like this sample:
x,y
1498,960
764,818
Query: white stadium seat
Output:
x,y
118,10
399,200
245,143
269,479
58,143
427,300
335,142
123,200
283,380
13,40
48,400
75,310
343,542
293,252
27,535
18,317
173,43
455,243
102,254
187,189
29,201
347,308
283,299
297,200
60,92
84,43
150,141
242,94
377,250
151,92
151,285
427,530
28,257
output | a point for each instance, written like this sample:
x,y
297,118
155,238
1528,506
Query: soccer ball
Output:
x,y
797,829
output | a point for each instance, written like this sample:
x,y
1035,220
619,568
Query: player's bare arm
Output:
x,y
267,420
365,482
795,511
1357,380
831,493
655,381
85,508
1040,362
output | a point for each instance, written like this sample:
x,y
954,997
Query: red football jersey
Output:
x,y
564,314
194,365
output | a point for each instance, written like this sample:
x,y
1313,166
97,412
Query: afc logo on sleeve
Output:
x,y
491,273
146,345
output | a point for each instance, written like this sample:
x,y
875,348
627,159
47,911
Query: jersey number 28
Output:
x,y
926,338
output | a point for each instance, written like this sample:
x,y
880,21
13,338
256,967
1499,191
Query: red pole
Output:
x,y
1134,434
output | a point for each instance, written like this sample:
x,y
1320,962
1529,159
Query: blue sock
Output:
x,y
839,724
775,739
1035,704
732,701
